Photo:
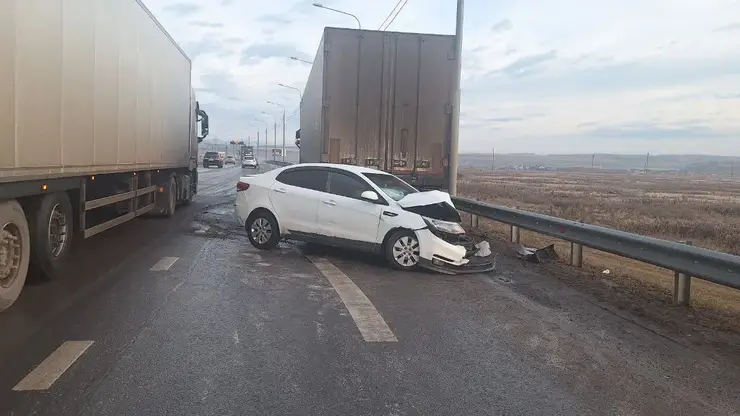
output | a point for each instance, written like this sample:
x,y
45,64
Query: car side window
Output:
x,y
314,179
345,185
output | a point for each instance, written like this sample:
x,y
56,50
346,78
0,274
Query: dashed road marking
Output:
x,y
372,326
43,376
164,264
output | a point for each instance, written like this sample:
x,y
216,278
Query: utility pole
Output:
x,y
258,143
732,171
283,134
274,146
266,142
455,133
593,159
493,159
647,162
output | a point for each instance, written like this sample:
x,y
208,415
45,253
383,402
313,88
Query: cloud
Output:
x,y
276,19
201,23
207,45
576,76
731,26
182,9
259,51
651,131
527,65
502,26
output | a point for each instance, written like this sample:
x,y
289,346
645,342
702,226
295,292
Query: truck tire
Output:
x,y
15,252
171,196
51,226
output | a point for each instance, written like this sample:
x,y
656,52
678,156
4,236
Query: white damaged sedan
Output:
x,y
359,208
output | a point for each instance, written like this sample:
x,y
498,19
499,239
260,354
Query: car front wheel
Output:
x,y
262,230
402,250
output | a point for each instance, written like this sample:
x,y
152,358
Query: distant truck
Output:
x,y
98,125
383,100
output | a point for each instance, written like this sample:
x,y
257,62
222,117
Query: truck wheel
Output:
x,y
15,250
171,197
51,227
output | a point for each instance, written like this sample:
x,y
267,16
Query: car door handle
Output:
x,y
332,203
279,190
390,214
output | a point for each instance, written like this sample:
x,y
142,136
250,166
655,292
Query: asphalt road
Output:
x,y
182,316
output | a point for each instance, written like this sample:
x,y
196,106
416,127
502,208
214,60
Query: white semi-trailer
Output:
x,y
98,125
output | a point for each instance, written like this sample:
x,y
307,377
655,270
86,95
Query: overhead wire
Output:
x,y
389,14
396,15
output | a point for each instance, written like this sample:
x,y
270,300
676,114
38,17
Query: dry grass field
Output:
x,y
704,211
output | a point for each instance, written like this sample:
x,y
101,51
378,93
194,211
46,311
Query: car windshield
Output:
x,y
391,185
211,154
248,157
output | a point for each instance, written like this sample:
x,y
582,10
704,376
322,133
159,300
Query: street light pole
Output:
x,y
280,105
321,6
295,58
455,136
258,138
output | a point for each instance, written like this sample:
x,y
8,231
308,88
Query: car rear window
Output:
x,y
315,179
211,154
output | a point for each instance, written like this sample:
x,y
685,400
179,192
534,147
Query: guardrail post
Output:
x,y
682,286
515,234
576,255
473,221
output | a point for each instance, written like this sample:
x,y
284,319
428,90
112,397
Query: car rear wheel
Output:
x,y
402,250
262,229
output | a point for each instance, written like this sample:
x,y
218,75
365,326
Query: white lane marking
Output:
x,y
164,264
372,326
236,337
43,376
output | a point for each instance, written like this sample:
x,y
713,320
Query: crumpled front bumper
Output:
x,y
449,258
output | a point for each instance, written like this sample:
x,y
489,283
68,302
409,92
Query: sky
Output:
x,y
566,76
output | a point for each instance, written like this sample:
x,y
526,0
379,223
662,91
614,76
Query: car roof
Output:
x,y
349,168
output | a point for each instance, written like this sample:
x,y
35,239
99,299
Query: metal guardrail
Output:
x,y
684,259
278,162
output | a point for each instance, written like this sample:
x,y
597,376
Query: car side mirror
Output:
x,y
369,196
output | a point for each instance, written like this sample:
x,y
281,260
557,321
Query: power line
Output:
x,y
396,15
389,14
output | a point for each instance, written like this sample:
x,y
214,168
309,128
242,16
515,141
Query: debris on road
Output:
x,y
534,255
484,249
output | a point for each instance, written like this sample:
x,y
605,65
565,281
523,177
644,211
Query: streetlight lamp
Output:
x,y
295,58
321,6
300,94
280,105
274,146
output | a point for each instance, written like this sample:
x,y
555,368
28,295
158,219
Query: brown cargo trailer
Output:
x,y
98,125
383,100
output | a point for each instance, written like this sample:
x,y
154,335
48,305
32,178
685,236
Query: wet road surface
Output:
x,y
182,316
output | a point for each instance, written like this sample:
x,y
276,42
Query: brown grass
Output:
x,y
703,211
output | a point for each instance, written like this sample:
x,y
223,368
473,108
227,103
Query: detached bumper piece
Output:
x,y
474,265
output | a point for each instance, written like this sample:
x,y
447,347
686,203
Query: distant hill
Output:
x,y
693,164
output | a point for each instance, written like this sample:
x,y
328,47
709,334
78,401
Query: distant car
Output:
x,y
250,161
361,208
230,160
212,159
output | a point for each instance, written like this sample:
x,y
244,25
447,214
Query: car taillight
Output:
x,y
241,186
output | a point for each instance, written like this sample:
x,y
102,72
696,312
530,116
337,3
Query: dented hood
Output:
x,y
419,199
431,204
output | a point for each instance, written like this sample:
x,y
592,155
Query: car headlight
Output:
x,y
444,226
